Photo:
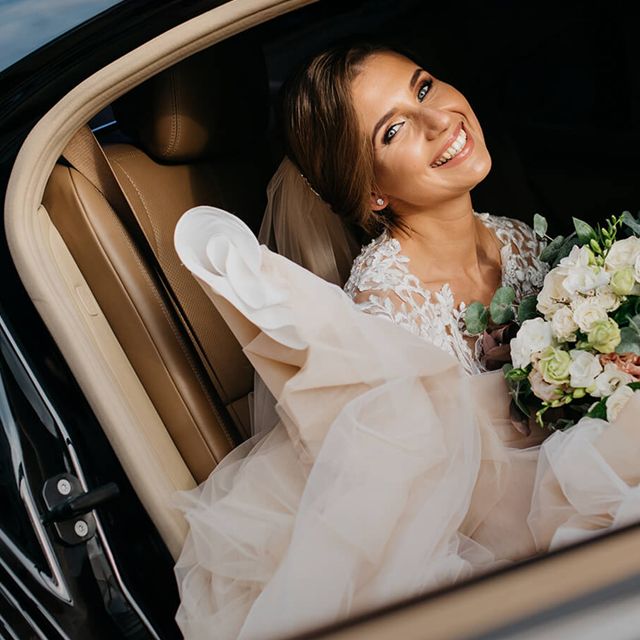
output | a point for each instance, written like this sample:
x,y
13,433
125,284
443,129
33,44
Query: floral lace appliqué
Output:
x,y
382,284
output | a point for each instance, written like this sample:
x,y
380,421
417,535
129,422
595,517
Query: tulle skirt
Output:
x,y
382,472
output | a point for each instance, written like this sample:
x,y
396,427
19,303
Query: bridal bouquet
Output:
x,y
574,348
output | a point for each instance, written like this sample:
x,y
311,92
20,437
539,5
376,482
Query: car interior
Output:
x,y
174,398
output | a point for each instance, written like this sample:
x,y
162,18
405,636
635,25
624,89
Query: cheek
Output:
x,y
475,123
406,157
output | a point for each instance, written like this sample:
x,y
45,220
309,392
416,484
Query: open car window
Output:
x,y
29,24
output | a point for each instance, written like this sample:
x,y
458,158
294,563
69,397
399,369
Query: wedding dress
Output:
x,y
392,467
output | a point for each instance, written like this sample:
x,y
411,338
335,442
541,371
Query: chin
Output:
x,y
480,169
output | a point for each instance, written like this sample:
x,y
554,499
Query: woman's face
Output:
x,y
412,119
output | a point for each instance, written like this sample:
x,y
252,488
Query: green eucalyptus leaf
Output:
x,y
549,253
631,222
476,318
501,307
629,341
527,309
627,310
540,225
634,323
584,231
599,410
565,249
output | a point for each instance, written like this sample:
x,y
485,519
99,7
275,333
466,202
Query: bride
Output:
x,y
384,462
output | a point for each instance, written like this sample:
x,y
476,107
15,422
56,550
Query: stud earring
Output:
x,y
379,201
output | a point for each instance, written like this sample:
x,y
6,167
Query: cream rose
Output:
x,y
585,280
636,268
607,299
587,312
623,281
553,295
583,369
604,335
609,380
533,336
616,401
554,365
622,253
563,325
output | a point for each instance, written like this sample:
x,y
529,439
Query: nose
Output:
x,y
435,121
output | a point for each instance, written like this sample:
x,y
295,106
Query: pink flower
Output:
x,y
541,388
627,362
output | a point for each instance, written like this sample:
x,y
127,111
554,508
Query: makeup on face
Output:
x,y
456,149
419,126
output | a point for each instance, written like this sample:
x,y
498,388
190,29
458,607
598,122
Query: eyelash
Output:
x,y
386,139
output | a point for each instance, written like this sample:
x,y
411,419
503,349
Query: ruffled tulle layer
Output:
x,y
389,472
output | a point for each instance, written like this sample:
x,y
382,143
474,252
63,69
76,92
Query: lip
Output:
x,y
462,154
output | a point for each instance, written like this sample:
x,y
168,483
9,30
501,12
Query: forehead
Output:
x,y
382,81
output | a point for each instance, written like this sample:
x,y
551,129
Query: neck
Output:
x,y
448,234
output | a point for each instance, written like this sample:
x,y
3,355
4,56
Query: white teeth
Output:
x,y
453,150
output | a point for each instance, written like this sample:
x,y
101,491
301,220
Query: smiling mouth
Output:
x,y
453,150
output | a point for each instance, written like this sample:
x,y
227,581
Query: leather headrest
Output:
x,y
213,102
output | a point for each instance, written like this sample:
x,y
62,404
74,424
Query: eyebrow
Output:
x,y
386,116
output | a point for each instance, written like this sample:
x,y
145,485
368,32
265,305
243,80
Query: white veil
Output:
x,y
301,226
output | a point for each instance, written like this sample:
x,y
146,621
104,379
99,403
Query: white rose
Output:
x,y
584,368
636,268
578,257
610,379
622,253
533,336
617,400
587,311
553,295
563,325
608,300
585,280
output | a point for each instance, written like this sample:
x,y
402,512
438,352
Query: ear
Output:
x,y
375,199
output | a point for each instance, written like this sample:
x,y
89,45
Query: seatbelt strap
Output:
x,y
84,153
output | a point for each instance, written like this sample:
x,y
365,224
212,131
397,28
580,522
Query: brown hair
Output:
x,y
322,135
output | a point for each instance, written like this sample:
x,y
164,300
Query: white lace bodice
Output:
x,y
381,283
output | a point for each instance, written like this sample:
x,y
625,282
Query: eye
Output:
x,y
426,83
390,132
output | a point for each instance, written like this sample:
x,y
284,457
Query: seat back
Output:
x,y
197,136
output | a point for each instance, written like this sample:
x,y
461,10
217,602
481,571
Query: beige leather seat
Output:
x,y
199,138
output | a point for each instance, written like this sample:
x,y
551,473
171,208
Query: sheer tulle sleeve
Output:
x,y
523,268
387,304
380,285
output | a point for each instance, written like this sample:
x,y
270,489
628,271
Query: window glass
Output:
x,y
29,24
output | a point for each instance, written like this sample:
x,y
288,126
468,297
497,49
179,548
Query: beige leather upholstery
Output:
x,y
199,131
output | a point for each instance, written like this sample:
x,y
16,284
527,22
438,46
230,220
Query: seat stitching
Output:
x,y
179,338
176,333
133,154
156,232
172,138
176,141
